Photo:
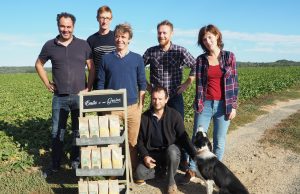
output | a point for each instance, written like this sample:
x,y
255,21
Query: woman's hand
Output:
x,y
232,114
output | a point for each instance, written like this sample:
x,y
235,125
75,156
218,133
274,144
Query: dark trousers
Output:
x,y
166,161
177,103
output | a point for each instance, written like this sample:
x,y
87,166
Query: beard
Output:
x,y
163,42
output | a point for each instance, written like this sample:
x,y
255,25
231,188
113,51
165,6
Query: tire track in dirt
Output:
x,y
262,169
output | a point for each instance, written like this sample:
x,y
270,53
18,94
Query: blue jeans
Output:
x,y
215,110
62,105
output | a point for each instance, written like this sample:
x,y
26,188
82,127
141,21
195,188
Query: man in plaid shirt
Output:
x,y
167,63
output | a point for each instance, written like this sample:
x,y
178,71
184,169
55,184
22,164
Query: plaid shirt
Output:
x,y
228,66
166,67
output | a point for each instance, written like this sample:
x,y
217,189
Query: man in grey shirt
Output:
x,y
69,57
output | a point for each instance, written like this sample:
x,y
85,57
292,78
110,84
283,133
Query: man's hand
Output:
x,y
39,66
141,99
183,87
149,162
149,87
51,87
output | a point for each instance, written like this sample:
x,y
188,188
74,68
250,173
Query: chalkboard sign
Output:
x,y
103,101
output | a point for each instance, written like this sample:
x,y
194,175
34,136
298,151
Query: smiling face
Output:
x,y
66,28
164,35
210,38
122,41
210,41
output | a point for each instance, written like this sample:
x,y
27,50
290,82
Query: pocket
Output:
x,y
55,102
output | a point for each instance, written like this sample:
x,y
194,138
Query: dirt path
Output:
x,y
263,170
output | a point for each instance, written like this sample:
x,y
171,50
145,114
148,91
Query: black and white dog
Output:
x,y
211,169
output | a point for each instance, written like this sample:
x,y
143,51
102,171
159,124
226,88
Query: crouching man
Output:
x,y
162,135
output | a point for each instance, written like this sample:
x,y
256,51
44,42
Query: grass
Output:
x,y
24,183
286,134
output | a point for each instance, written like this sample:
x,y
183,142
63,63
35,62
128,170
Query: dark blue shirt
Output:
x,y
158,138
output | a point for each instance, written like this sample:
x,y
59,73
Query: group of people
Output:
x,y
157,138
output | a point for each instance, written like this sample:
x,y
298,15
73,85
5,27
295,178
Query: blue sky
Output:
x,y
255,30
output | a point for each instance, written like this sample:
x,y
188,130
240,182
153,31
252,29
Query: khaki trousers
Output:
x,y
134,120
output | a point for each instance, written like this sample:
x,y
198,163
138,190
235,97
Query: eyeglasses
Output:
x,y
104,18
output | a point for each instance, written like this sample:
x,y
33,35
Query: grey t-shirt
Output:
x,y
68,64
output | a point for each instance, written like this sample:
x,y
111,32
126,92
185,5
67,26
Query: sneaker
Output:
x,y
49,172
183,166
75,165
139,182
188,177
172,189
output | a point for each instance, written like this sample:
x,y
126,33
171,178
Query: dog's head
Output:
x,y
201,141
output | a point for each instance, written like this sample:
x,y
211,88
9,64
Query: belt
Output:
x,y
62,95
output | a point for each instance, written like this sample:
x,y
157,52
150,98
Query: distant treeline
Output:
x,y
30,69
23,69
276,63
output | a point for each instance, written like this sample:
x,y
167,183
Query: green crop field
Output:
x,y
25,117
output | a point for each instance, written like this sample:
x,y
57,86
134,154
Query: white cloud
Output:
x,y
191,33
249,46
260,49
186,41
259,38
262,38
286,46
18,40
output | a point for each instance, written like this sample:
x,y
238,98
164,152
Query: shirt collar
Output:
x,y
171,47
116,54
57,37
154,115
